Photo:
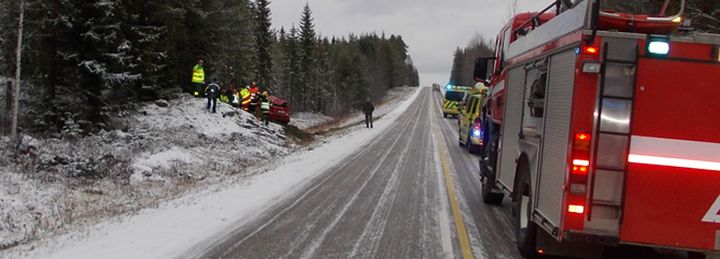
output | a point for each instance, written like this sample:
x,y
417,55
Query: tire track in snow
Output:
x,y
318,240
339,169
379,217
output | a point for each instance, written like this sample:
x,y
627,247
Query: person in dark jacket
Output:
x,y
212,91
368,109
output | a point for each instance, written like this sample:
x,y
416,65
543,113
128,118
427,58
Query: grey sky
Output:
x,y
432,28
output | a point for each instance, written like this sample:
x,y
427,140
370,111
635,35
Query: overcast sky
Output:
x,y
431,28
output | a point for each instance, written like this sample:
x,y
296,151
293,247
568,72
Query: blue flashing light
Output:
x,y
658,46
476,133
449,87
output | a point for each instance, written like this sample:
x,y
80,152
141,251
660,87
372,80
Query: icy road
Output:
x,y
389,200
411,193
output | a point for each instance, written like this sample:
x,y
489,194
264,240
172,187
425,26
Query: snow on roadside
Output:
x,y
186,226
387,104
305,120
66,183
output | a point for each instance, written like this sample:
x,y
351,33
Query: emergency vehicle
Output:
x,y
603,129
469,121
453,96
279,110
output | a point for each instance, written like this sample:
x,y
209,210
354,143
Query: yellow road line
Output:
x,y
454,205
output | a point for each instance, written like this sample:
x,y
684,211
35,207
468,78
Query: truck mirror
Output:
x,y
482,69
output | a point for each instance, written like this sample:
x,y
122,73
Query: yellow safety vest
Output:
x,y
198,74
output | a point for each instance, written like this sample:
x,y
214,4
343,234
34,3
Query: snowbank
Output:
x,y
305,120
185,227
387,104
61,185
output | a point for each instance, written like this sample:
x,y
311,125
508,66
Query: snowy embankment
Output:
x,y
387,104
305,120
66,183
187,226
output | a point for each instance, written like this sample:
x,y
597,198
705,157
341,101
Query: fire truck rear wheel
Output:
x,y
525,229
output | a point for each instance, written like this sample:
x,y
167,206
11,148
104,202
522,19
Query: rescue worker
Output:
x,y
368,109
212,92
246,98
198,77
236,99
265,107
254,102
226,93
254,89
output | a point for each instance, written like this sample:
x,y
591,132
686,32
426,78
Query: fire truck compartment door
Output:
x,y
672,193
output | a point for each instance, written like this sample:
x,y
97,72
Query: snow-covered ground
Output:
x,y
186,226
305,120
64,184
387,104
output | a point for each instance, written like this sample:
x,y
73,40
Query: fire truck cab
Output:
x,y
602,129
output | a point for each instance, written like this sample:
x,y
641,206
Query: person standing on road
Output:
x,y
368,109
198,77
265,107
212,92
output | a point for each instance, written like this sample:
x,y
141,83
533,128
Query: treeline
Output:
x,y
703,13
334,75
84,60
464,60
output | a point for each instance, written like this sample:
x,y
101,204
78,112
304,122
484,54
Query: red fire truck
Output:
x,y
603,128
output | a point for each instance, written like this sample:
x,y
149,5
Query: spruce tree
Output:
x,y
457,67
307,58
263,39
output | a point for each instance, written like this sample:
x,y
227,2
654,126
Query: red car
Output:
x,y
279,110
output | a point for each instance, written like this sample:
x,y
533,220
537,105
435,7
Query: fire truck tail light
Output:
x,y
590,50
577,209
582,142
591,67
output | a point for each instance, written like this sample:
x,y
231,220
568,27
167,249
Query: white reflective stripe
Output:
x,y
675,153
674,162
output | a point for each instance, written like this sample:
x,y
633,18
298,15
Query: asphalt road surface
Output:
x,y
390,200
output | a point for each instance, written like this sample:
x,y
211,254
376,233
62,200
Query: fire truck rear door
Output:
x,y
672,184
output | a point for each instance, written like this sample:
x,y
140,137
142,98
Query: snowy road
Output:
x,y
389,200
386,201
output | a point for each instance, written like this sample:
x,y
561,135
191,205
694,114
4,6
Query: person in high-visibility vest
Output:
x,y
246,99
198,77
265,107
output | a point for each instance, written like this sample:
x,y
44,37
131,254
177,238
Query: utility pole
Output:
x,y
18,69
